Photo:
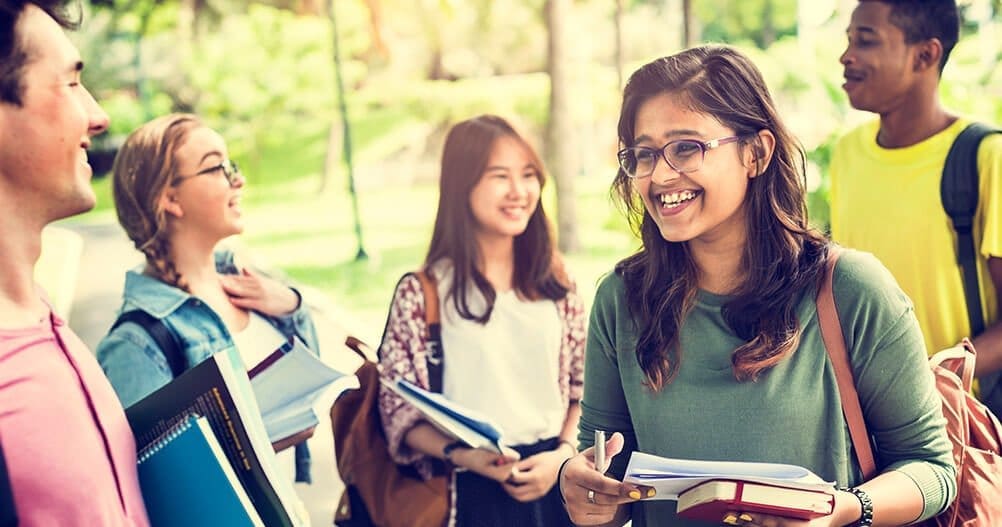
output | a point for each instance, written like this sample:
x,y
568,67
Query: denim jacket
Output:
x,y
134,363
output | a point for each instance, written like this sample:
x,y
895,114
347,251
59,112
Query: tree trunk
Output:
x,y
618,25
687,40
560,137
768,24
378,50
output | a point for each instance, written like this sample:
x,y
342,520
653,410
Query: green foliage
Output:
x,y
759,21
263,76
128,113
283,78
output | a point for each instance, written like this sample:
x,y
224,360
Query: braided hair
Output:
x,y
143,170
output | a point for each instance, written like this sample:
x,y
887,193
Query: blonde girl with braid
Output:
x,y
177,195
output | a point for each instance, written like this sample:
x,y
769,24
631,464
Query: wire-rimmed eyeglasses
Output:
x,y
230,170
683,155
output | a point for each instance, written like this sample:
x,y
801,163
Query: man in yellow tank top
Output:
x,y
886,174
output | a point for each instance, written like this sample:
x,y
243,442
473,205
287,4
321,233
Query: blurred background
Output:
x,y
281,78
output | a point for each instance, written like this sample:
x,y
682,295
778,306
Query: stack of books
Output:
x,y
707,490
205,451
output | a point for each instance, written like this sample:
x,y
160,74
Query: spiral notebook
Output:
x,y
187,480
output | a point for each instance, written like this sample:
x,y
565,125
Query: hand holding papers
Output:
x,y
449,417
591,497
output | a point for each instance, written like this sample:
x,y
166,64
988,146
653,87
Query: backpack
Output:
x,y
160,334
959,194
975,433
8,512
378,492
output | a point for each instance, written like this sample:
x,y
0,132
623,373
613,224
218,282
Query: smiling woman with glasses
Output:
x,y
706,344
178,195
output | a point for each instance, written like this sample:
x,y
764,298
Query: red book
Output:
x,y
712,499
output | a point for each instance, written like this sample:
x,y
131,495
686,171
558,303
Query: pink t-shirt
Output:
x,y
69,449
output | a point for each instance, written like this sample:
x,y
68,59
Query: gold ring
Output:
x,y
591,496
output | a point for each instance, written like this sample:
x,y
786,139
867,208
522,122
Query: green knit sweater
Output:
x,y
792,414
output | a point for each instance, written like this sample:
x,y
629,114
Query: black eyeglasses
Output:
x,y
229,169
683,155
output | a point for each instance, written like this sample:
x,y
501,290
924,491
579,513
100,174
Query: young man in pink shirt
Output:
x,y
71,457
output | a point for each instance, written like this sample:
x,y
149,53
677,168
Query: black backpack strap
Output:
x,y
161,334
436,355
959,194
8,513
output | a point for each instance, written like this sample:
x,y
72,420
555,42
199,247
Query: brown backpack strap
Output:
x,y
436,355
360,348
831,333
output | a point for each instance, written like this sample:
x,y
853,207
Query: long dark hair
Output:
x,y
782,255
538,273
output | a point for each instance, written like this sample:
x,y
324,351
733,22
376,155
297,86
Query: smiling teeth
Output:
x,y
675,199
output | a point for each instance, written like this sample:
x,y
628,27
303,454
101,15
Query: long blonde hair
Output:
x,y
144,168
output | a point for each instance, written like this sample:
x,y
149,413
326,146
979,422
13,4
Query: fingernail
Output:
x,y
730,519
651,493
635,494
745,518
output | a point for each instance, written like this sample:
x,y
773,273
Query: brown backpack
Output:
x,y
378,492
976,434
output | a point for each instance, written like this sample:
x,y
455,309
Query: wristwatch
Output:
x,y
866,504
447,449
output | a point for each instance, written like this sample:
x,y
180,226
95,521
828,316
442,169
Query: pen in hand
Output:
x,y
600,451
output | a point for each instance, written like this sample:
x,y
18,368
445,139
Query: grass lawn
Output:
x,y
311,237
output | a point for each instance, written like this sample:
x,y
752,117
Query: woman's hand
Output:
x,y
590,496
486,463
534,476
249,290
846,511
749,519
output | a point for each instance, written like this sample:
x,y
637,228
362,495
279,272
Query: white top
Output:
x,y
255,342
508,368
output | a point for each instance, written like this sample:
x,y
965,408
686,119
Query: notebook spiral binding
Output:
x,y
164,439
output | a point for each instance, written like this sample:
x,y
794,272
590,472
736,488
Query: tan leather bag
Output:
x,y
378,492
976,434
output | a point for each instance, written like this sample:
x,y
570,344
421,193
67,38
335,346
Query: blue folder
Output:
x,y
187,481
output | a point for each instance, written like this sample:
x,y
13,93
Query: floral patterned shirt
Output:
x,y
403,355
